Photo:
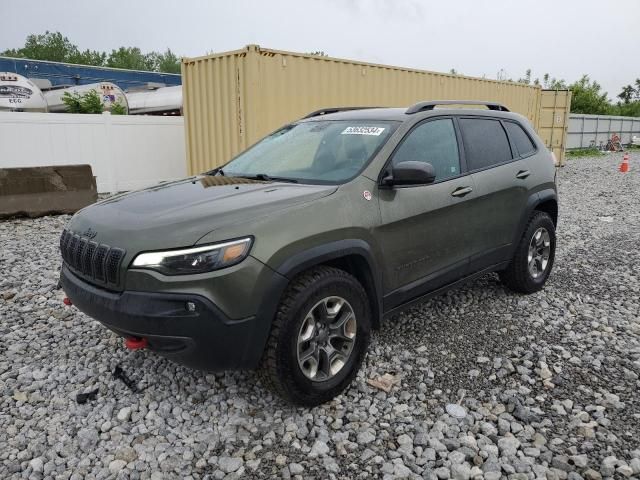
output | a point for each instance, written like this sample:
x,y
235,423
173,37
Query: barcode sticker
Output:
x,y
363,131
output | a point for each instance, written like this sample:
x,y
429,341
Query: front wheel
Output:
x,y
533,259
318,338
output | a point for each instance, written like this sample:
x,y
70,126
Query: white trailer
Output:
x,y
19,94
161,101
109,92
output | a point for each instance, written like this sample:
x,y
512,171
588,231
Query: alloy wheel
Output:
x,y
326,338
539,252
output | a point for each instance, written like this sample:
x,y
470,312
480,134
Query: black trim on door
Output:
x,y
514,148
461,157
511,146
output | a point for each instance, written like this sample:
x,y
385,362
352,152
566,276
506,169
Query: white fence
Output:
x,y
589,130
125,152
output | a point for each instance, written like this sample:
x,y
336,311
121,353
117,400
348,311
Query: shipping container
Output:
x,y
231,100
553,120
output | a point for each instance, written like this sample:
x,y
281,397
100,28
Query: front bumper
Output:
x,y
204,338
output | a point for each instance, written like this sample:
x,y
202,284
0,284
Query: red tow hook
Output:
x,y
135,343
67,301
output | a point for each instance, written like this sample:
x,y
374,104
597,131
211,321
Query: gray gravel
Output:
x,y
549,382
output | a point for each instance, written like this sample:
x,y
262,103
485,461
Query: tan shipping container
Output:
x,y
233,99
553,120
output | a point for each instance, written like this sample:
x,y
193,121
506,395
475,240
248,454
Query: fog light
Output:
x,y
191,307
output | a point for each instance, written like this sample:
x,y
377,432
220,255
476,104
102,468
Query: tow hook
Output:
x,y
135,343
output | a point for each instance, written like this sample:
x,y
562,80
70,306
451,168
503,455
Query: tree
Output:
x,y
587,97
555,84
55,47
130,58
527,77
89,102
118,108
166,62
627,94
89,57
318,53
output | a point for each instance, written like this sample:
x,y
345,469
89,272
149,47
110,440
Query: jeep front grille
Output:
x,y
99,262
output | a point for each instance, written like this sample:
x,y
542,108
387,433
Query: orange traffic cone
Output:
x,y
624,166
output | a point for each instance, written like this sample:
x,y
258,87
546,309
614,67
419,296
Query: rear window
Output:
x,y
485,142
519,137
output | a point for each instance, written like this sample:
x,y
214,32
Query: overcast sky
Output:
x,y
476,37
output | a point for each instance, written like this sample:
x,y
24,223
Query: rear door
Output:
x,y
424,230
502,180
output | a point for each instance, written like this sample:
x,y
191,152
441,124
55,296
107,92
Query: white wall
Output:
x,y
125,152
585,129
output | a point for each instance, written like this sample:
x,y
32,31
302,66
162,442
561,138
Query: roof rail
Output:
x,y
430,105
326,111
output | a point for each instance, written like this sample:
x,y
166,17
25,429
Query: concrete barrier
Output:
x,y
38,191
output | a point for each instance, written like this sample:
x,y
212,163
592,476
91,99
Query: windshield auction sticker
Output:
x,y
363,131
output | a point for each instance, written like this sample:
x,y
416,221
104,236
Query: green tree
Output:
x,y
550,83
167,62
55,47
73,102
587,97
89,102
527,77
130,58
118,108
631,109
48,46
627,94
89,57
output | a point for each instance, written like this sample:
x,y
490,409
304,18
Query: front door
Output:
x,y
425,230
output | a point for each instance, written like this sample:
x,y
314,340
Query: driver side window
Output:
x,y
432,142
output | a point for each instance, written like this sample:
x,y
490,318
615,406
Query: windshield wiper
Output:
x,y
215,171
268,178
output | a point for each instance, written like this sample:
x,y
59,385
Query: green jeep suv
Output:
x,y
287,257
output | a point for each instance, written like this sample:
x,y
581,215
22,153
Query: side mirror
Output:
x,y
410,173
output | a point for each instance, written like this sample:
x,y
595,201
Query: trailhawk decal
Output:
x,y
363,131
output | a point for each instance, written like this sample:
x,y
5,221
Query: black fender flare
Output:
x,y
533,201
327,252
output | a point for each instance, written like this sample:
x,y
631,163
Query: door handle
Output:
x,y
522,174
461,192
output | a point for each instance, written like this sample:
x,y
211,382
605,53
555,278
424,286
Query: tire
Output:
x,y
307,299
518,275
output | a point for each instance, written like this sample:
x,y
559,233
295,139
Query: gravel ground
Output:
x,y
549,382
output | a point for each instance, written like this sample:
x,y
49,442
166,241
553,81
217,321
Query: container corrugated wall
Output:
x,y
213,104
233,99
553,120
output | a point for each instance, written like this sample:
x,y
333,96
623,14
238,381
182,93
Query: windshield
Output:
x,y
332,151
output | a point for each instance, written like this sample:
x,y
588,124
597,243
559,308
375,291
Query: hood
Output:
x,y
177,214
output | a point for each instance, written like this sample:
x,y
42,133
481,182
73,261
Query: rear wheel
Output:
x,y
318,338
533,259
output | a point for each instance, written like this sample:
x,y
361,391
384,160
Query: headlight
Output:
x,y
196,259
